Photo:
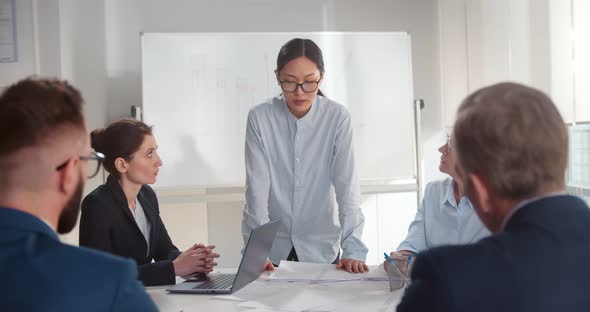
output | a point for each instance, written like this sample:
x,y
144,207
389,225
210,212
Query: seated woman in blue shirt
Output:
x,y
445,216
299,158
122,216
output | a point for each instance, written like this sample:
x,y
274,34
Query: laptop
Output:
x,y
251,266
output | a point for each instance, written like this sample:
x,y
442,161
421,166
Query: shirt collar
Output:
x,y
526,202
308,118
448,195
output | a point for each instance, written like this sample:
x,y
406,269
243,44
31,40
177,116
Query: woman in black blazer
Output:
x,y
122,217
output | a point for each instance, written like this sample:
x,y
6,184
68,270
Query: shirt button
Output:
x,y
297,159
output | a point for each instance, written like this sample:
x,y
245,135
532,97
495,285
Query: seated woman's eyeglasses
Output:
x,y
449,141
307,87
93,163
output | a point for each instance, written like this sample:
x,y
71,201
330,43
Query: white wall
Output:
x,y
26,63
124,21
96,45
562,79
457,45
581,21
101,45
542,43
485,42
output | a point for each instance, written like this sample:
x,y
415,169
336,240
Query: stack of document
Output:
x,y
322,273
311,287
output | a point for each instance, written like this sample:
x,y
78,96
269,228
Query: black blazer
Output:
x,y
107,224
539,263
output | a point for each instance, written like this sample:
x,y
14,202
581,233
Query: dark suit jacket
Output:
x,y
540,262
107,224
38,273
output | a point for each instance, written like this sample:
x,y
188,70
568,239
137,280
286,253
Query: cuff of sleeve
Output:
x,y
157,273
407,246
356,255
174,254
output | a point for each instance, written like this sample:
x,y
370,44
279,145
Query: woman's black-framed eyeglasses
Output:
x,y
307,87
91,168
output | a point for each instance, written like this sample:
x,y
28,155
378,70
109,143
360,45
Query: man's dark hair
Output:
x,y
33,108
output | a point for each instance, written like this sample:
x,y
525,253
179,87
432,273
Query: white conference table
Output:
x,y
168,302
188,302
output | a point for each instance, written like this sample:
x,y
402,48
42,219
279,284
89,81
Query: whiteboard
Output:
x,y
199,87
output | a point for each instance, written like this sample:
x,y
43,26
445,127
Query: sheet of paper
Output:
x,y
282,295
318,272
268,293
8,30
254,305
226,297
380,301
291,297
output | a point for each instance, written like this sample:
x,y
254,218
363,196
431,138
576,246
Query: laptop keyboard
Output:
x,y
221,281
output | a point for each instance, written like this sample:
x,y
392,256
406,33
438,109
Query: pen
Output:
x,y
396,268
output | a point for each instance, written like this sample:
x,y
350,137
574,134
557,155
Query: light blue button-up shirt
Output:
x,y
440,221
302,172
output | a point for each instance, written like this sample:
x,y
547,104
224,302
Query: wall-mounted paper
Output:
x,y
8,48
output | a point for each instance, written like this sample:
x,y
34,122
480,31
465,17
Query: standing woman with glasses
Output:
x,y
123,217
300,168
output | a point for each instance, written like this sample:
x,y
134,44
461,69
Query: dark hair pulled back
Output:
x,y
120,139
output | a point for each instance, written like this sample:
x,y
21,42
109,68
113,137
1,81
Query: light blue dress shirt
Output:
x,y
440,221
302,172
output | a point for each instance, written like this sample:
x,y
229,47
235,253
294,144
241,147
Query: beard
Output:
x,y
69,216
489,217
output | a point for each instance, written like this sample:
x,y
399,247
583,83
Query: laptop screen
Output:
x,y
255,254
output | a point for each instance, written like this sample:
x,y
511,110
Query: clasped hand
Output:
x,y
197,259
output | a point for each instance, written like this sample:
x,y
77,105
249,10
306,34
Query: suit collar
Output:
x,y
20,220
116,189
527,208
121,200
142,198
